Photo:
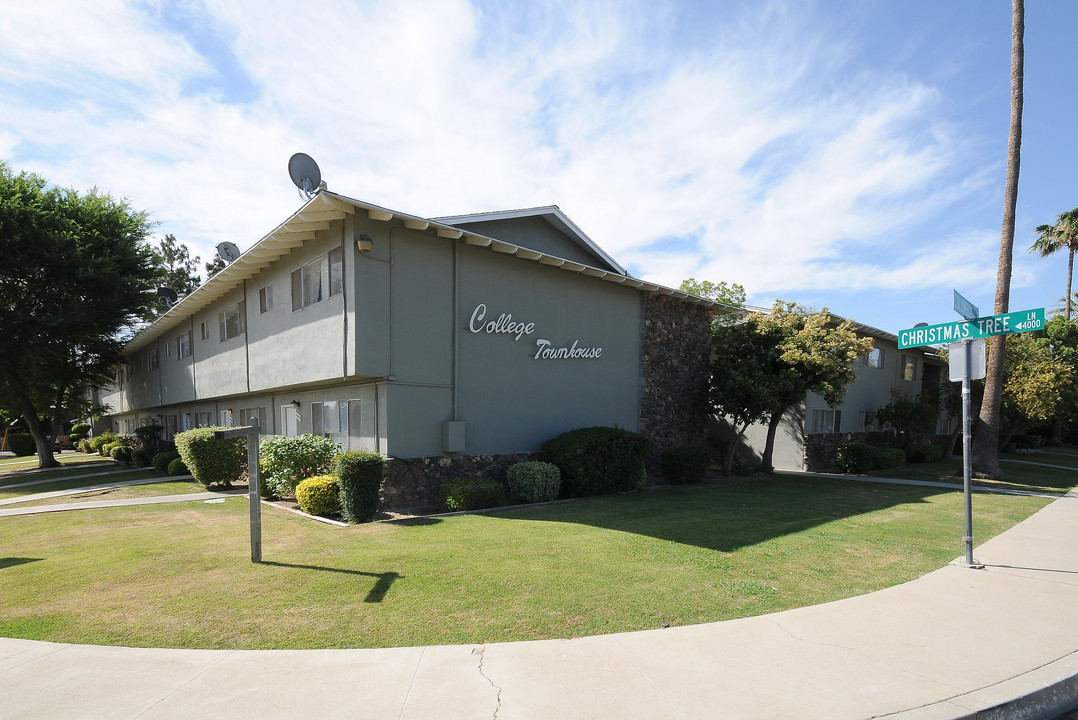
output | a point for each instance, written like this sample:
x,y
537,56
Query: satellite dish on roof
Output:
x,y
168,295
228,251
305,173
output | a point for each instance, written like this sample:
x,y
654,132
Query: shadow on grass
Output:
x,y
13,561
415,521
729,514
376,594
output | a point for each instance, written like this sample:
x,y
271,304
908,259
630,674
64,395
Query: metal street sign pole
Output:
x,y
253,492
967,461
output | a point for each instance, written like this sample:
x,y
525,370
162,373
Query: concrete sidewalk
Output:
x,y
957,643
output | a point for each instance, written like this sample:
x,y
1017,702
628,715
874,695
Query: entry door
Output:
x,y
290,421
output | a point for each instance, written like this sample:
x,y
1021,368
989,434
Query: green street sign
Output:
x,y
1015,322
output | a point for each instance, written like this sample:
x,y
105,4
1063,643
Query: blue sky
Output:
x,y
847,154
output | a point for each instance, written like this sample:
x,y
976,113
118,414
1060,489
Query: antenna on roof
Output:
x,y
228,252
305,174
168,295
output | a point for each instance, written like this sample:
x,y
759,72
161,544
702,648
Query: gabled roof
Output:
x,y
326,207
552,214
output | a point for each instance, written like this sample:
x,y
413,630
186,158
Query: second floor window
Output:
x,y
183,345
233,321
318,280
153,360
874,358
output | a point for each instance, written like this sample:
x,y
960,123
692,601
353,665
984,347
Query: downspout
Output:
x,y
456,325
345,254
246,337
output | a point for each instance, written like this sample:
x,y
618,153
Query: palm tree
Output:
x,y
985,446
1052,238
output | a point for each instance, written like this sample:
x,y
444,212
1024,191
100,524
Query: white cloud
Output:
x,y
783,170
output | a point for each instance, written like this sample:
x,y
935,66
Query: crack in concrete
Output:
x,y
480,652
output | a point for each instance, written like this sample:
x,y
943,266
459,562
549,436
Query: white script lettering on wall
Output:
x,y
505,325
545,352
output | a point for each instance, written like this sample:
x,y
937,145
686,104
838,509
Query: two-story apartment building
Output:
x,y
415,337
910,371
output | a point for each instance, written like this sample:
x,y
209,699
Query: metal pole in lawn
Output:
x,y
253,493
967,461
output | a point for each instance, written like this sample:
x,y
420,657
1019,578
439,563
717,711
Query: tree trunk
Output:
x,y
1070,274
986,443
731,450
768,460
38,431
1057,431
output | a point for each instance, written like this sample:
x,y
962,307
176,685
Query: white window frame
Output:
x,y
153,360
874,358
907,361
232,321
183,345
826,421
318,280
265,299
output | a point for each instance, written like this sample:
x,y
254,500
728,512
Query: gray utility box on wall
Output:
x,y
453,436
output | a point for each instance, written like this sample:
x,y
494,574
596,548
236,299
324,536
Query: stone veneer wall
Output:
x,y
821,449
413,483
676,366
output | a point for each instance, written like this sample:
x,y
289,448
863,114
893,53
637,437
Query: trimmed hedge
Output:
x,y
360,475
858,457
21,444
141,458
177,467
162,459
319,495
107,448
212,461
597,460
284,461
474,493
685,465
120,453
99,441
924,453
534,482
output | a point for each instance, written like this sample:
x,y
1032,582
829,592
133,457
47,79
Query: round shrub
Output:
x,y
472,493
140,458
685,465
21,444
360,475
79,431
319,495
212,461
861,458
177,467
107,448
162,459
924,453
597,460
534,482
120,453
84,446
99,441
284,461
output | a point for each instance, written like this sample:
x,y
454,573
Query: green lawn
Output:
x,y
9,464
69,478
181,576
164,487
1017,475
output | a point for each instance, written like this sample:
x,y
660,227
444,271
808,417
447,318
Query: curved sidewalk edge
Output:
x,y
957,643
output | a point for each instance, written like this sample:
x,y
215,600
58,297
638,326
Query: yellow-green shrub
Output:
x,y
319,495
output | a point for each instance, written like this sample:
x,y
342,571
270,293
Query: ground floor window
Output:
x,y
246,414
330,419
826,421
866,420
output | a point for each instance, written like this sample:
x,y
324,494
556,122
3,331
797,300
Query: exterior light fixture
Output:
x,y
364,243
294,404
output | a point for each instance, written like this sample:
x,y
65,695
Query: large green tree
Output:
x,y
746,369
817,355
77,273
986,439
1063,235
728,294
179,269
